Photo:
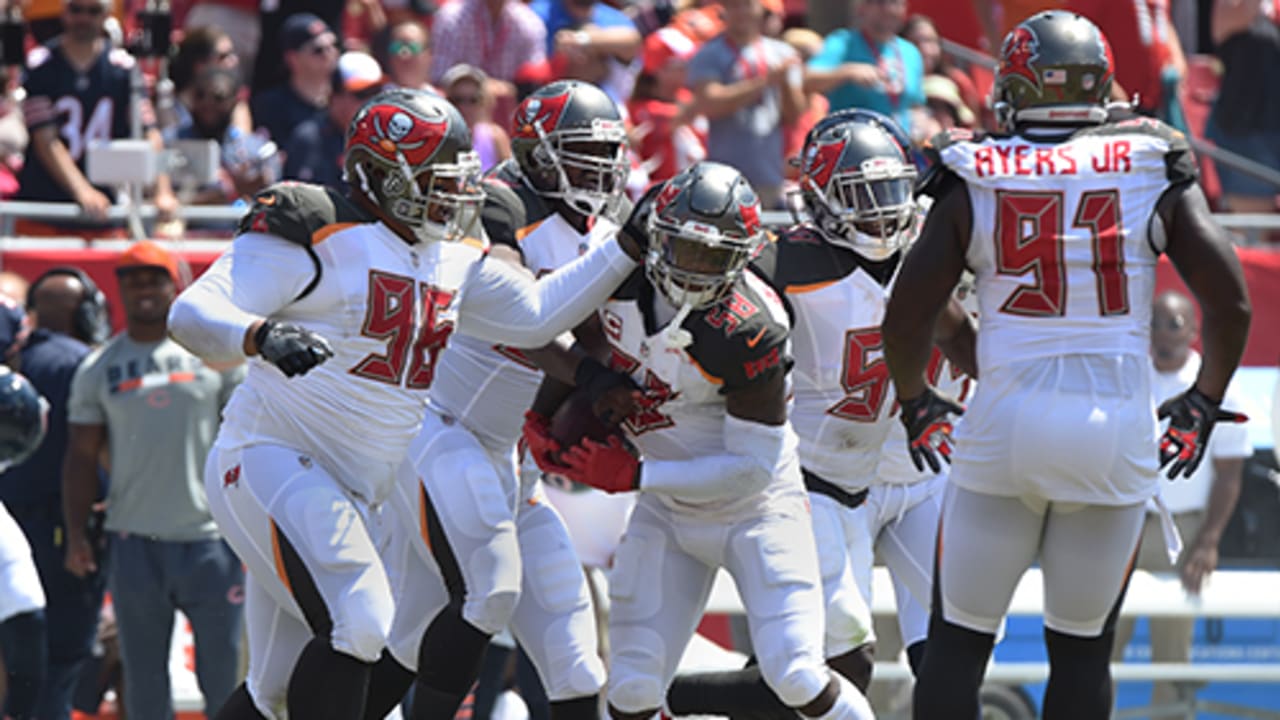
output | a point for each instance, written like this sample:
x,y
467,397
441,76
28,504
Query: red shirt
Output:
x,y
1140,34
667,148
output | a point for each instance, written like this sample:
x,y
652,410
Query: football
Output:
x,y
575,419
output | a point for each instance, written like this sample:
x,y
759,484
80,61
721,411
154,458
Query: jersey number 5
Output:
x,y
864,376
1029,239
390,317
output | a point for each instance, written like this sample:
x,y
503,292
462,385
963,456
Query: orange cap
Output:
x,y
146,254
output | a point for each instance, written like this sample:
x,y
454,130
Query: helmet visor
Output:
x,y
694,270
873,205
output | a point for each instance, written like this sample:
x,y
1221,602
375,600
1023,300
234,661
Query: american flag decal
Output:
x,y
1055,76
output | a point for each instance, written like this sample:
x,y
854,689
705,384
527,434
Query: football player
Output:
x,y
311,440
503,549
718,474
836,270
23,419
1062,218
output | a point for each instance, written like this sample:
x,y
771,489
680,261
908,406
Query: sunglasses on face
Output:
x,y
461,100
90,10
404,48
321,48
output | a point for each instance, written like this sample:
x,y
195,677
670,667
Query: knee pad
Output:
x,y
799,685
491,613
636,695
361,632
585,676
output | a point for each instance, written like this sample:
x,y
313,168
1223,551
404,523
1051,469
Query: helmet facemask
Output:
x,y
695,265
869,210
441,203
587,168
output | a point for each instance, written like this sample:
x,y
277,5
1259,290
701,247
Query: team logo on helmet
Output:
x,y
665,197
822,161
749,210
1018,55
540,112
386,129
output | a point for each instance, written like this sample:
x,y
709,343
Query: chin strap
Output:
x,y
675,336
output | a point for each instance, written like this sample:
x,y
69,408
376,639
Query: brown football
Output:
x,y
575,419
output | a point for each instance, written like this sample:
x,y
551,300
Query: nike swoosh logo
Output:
x,y
756,340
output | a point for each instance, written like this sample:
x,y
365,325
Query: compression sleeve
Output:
x,y
753,453
257,276
504,304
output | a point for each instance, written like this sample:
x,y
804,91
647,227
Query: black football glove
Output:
x,y
637,225
598,381
1191,418
926,417
293,349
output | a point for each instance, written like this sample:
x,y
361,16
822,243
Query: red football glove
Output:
x,y
543,447
928,422
611,468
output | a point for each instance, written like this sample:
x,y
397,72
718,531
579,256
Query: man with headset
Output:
x,y
68,311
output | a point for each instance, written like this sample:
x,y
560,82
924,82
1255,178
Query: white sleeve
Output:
x,y
753,453
504,304
257,276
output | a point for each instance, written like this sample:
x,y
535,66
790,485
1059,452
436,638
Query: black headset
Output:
x,y
91,321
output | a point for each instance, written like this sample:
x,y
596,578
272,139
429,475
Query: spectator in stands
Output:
x,y
869,66
944,106
13,285
662,110
62,303
78,93
270,68
467,87
1148,55
588,26
807,44
13,137
922,33
311,54
748,86
156,406
404,51
362,20
998,17
204,46
238,21
1200,505
314,152
249,162
497,36
1246,116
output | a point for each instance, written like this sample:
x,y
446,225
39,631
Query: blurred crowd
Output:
x,y
274,82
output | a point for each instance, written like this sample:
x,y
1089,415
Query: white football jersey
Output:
x,y
387,309
741,340
489,387
1063,247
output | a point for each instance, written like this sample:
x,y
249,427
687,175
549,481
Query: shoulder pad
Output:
x,y
938,178
738,341
1180,164
503,214
804,258
298,211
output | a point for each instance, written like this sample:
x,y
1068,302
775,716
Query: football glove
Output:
x,y
614,395
1191,419
293,349
610,467
542,447
928,424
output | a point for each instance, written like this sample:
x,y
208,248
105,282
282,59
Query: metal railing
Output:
x,y
10,211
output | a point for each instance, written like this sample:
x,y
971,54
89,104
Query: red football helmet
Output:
x,y
409,153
